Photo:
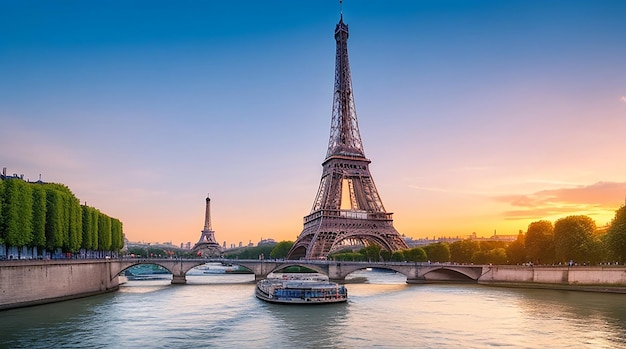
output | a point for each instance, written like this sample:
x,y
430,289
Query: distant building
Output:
x,y
426,241
267,242
4,176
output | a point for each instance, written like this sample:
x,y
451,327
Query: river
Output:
x,y
220,311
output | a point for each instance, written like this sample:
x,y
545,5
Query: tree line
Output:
x,y
570,240
49,217
574,239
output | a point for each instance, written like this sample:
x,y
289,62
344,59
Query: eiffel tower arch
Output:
x,y
207,246
347,208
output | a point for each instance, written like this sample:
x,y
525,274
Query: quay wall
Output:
x,y
25,283
603,278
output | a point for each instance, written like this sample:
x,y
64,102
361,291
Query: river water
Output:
x,y
220,311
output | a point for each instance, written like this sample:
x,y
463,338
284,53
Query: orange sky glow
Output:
x,y
478,118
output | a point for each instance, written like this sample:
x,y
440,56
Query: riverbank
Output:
x,y
606,279
32,282
620,289
26,283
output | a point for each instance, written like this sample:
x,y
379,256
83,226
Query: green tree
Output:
x,y
462,251
385,255
415,254
516,251
347,256
438,252
17,213
372,253
25,209
54,217
75,227
95,216
574,238
49,215
616,236
86,231
65,219
398,256
117,235
540,242
104,232
281,249
491,245
255,252
1,212
492,256
39,216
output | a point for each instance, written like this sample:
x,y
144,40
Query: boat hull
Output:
x,y
291,300
300,290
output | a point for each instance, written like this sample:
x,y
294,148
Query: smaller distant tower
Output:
x,y
207,246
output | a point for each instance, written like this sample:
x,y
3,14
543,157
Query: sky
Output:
x,y
478,116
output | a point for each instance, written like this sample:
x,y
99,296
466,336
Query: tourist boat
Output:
x,y
300,289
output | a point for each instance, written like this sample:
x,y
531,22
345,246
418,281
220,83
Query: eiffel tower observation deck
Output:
x,y
347,210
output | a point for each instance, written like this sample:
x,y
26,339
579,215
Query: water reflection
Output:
x,y
47,323
319,326
384,312
591,314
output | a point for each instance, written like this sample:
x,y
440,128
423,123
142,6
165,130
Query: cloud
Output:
x,y
623,99
447,191
601,196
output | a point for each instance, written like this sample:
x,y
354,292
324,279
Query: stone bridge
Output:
x,y
335,270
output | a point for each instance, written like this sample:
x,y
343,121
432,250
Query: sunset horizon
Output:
x,y
477,117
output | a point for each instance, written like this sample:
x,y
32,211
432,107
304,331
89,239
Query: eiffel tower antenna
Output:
x,y
341,9
347,210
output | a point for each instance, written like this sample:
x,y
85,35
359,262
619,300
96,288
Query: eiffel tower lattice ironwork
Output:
x,y
207,246
347,208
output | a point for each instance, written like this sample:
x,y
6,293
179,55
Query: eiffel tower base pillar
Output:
x,y
179,280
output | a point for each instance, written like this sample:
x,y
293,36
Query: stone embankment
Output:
x,y
598,278
24,283
31,282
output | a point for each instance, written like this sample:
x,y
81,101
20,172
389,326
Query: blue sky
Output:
x,y
477,115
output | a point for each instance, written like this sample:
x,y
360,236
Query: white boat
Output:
x,y
213,268
300,289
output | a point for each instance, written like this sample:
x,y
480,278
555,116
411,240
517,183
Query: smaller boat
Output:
x,y
215,268
300,289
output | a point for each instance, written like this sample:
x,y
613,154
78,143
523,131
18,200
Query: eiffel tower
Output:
x,y
347,209
207,246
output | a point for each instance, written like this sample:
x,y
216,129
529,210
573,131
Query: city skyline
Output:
x,y
477,116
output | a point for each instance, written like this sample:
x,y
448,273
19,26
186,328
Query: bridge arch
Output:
x,y
335,270
124,268
444,273
346,269
178,268
317,268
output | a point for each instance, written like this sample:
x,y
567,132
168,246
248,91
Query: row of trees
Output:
x,y
573,238
48,216
463,251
